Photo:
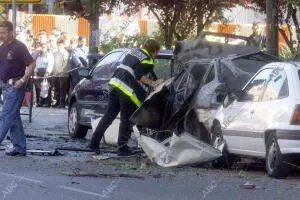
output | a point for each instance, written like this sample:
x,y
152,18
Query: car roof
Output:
x,y
162,54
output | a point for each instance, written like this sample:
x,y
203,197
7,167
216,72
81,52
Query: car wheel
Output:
x,y
76,130
194,127
225,161
275,161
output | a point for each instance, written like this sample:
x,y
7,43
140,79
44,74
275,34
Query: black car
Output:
x,y
89,99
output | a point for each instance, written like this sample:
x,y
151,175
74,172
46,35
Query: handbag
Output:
x,y
44,88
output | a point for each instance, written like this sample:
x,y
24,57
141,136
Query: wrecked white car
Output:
x,y
263,120
186,104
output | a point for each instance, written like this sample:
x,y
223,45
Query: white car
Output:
x,y
264,120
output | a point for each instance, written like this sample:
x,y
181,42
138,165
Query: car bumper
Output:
x,y
288,141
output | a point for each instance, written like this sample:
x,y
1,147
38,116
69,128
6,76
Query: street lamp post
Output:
x,y
14,15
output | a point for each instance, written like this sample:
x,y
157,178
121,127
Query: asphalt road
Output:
x,y
77,175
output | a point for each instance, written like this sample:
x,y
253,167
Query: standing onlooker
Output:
x,y
64,36
78,59
42,37
52,43
60,71
44,67
73,43
14,58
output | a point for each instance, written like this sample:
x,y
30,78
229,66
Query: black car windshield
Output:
x,y
106,67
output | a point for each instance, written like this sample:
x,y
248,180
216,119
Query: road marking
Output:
x,y
81,191
21,177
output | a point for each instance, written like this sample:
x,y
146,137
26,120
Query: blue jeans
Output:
x,y
10,118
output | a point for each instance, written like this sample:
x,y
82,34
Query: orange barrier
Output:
x,y
39,22
48,22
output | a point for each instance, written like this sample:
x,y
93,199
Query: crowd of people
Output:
x,y
57,57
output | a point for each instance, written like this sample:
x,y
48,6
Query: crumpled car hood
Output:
x,y
177,150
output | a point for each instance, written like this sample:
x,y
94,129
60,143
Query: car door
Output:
x,y
269,112
93,92
237,124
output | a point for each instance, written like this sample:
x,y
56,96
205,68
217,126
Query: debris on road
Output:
x,y
44,152
182,150
247,185
103,175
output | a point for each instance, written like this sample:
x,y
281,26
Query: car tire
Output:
x,y
226,160
275,161
194,127
76,130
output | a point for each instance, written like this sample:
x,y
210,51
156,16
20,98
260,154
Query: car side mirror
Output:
x,y
229,98
84,72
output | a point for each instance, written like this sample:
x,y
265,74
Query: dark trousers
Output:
x,y
118,102
61,90
74,78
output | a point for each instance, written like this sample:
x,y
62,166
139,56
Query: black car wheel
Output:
x,y
225,161
275,162
76,130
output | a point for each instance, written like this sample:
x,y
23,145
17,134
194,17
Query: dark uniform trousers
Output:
x,y
118,102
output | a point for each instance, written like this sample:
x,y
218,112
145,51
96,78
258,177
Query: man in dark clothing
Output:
x,y
128,90
14,58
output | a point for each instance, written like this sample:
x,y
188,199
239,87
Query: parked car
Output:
x,y
89,99
263,120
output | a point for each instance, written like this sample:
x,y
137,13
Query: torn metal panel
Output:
x,y
206,116
151,113
208,95
201,48
182,150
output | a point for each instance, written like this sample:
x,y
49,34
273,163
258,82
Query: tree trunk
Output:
x,y
94,30
94,26
296,23
272,27
199,23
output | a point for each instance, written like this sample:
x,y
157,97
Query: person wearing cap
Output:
x,y
128,89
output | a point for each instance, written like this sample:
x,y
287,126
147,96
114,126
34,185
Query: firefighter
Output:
x,y
128,89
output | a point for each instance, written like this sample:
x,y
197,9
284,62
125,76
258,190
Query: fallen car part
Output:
x,y
107,156
182,150
44,152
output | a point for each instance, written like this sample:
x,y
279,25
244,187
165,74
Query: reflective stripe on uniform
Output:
x,y
146,61
150,62
127,68
126,90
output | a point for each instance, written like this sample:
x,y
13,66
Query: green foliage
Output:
x,y
133,41
286,54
